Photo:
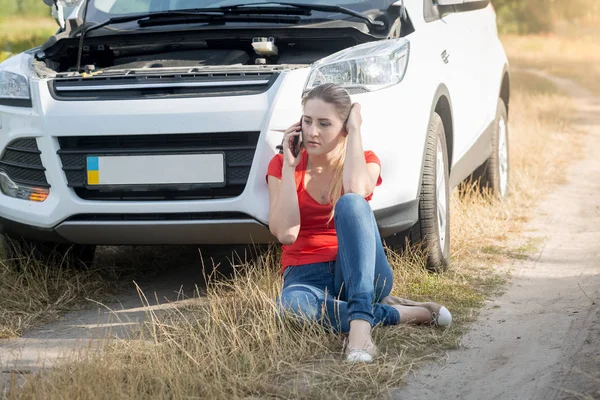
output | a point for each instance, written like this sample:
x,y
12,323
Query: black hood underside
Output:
x,y
134,50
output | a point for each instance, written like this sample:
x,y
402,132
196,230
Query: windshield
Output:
x,y
100,10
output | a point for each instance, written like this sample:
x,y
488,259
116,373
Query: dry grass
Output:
x,y
229,343
542,145
40,293
572,52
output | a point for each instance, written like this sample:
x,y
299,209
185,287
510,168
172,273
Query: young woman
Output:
x,y
334,267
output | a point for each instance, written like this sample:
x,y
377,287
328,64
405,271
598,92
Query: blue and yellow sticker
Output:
x,y
93,172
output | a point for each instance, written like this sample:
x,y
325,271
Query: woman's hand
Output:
x,y
288,145
354,121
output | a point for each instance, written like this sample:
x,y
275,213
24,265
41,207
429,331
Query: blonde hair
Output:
x,y
339,97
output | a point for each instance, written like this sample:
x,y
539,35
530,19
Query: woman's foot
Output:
x,y
360,346
440,316
364,353
359,356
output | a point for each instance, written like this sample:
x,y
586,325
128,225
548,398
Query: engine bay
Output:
x,y
66,54
191,54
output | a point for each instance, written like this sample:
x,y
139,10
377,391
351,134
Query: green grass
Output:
x,y
11,8
20,33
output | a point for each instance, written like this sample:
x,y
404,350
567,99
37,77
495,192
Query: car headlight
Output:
x,y
366,67
14,90
15,73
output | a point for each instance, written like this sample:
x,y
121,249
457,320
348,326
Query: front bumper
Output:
x,y
185,231
63,216
227,231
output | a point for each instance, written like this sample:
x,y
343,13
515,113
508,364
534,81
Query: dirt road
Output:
x,y
541,339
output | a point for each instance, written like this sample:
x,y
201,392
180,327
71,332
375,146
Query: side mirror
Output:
x,y
49,3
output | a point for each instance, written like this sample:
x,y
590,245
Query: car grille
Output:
x,y
22,162
238,148
160,217
135,85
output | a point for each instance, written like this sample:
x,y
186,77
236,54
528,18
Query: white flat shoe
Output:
x,y
359,356
440,316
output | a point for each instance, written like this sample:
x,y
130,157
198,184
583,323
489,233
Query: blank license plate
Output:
x,y
156,169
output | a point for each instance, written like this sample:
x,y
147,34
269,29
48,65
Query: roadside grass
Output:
x,y
228,342
20,33
572,52
38,293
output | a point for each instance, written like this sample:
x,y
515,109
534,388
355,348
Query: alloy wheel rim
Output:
x,y
503,156
440,194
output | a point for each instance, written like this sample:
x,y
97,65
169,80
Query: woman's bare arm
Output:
x,y
358,176
284,211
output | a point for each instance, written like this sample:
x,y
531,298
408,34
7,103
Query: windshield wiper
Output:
x,y
216,18
305,6
136,17
200,14
244,12
250,12
189,16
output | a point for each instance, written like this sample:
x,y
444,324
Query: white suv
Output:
x,y
153,122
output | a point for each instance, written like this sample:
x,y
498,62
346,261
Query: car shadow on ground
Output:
x,y
147,280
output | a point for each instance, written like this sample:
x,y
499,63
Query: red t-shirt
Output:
x,y
317,240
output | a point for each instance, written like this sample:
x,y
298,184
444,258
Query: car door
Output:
x,y
463,56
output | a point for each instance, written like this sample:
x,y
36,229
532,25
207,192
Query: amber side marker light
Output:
x,y
39,195
23,192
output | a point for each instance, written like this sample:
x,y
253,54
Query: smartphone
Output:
x,y
297,143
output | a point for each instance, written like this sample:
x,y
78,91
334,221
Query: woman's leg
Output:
x,y
308,290
362,275
305,289
303,301
383,276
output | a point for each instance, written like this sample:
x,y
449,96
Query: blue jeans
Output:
x,y
351,286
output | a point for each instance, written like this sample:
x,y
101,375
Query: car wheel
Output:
x,y
19,252
494,174
432,229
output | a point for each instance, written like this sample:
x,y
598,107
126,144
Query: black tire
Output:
x,y
426,231
489,173
19,252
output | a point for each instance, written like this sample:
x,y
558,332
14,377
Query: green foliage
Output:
x,y
530,16
23,7
25,42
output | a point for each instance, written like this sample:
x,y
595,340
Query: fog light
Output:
x,y
23,192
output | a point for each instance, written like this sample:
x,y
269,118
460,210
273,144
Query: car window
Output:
x,y
122,7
